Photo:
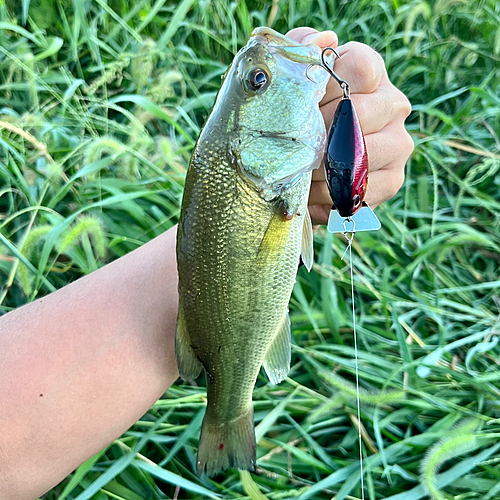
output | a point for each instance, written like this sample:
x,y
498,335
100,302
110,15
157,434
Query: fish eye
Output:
x,y
257,80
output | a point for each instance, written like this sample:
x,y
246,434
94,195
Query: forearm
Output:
x,y
80,366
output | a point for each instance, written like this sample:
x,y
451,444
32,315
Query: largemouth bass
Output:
x,y
244,223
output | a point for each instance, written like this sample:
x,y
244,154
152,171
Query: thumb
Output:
x,y
307,35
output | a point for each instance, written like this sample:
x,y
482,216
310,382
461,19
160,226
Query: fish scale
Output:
x,y
218,260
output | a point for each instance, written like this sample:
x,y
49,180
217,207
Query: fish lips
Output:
x,y
281,45
293,51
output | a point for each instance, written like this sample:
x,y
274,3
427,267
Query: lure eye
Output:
x,y
257,80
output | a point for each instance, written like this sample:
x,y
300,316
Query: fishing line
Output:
x,y
349,248
346,172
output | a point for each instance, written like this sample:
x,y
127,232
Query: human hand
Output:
x,y
382,110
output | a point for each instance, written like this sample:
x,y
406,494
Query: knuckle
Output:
x,y
396,183
364,107
401,106
404,104
408,145
299,34
368,65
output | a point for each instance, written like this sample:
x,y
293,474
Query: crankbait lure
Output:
x,y
346,166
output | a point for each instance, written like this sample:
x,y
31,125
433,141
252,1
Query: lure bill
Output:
x,y
346,167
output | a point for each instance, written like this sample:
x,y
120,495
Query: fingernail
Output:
x,y
318,36
311,38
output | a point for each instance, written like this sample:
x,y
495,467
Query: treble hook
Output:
x,y
343,84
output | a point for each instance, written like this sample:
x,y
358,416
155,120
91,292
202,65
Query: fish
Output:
x,y
243,226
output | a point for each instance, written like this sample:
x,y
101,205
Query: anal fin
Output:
x,y
277,362
188,364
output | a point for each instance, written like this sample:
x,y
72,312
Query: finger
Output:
x,y
384,184
319,214
319,174
319,194
374,110
391,145
360,66
309,36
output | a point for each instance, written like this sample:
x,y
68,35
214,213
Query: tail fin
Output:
x,y
228,444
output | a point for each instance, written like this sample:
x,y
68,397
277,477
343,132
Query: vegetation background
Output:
x,y
101,102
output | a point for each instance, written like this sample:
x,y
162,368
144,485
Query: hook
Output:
x,y
323,54
346,93
307,75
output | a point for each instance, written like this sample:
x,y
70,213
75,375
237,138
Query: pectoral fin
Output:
x,y
187,362
275,239
277,362
307,252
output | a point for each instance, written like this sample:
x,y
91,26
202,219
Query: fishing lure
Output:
x,y
346,165
346,168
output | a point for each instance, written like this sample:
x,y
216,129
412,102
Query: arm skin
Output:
x,y
80,366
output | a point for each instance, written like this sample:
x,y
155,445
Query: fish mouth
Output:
x,y
272,37
307,140
279,44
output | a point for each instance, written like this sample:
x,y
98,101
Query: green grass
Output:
x,y
100,105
